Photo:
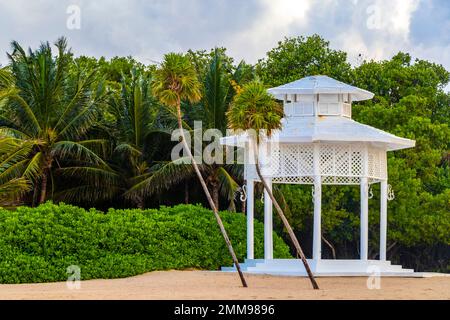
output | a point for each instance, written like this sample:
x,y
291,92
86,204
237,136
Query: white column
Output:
x,y
317,230
383,218
250,217
364,237
317,233
268,223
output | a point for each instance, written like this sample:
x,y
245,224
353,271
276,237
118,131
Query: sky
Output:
x,y
376,29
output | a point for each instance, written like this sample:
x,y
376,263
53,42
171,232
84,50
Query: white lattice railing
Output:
x,y
338,163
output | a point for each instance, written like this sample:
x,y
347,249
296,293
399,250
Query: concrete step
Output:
x,y
327,267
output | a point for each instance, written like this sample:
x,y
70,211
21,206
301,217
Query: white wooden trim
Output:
x,y
250,220
364,219
268,223
383,218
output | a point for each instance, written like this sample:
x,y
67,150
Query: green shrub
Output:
x,y
38,244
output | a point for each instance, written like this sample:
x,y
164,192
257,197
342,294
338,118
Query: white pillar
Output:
x,y
268,223
317,229
383,218
250,217
364,237
317,232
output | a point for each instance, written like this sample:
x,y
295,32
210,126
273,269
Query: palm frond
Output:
x,y
128,150
217,85
12,190
163,177
92,176
99,146
228,186
88,194
33,169
76,151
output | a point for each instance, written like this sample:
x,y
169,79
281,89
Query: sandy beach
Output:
x,y
216,285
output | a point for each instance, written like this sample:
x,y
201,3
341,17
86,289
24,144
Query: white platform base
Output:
x,y
331,268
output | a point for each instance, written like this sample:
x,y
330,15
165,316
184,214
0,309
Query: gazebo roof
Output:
x,y
328,129
320,84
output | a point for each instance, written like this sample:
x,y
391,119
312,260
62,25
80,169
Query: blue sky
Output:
x,y
377,29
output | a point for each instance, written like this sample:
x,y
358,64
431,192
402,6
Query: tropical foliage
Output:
x,y
51,106
38,244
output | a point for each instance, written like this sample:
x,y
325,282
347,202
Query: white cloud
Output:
x,y
148,29
276,20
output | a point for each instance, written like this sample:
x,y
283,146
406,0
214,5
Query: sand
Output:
x,y
217,285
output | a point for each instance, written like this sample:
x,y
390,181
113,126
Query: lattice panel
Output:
x,y
327,159
376,163
294,180
356,162
338,163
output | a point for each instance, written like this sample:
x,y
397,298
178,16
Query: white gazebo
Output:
x,y
319,144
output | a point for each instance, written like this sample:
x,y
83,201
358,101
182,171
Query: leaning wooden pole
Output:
x,y
210,201
286,225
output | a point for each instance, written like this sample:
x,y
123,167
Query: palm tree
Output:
x,y
254,110
220,81
133,120
135,113
130,120
220,86
51,105
176,80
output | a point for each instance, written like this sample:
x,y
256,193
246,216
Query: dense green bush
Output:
x,y
38,244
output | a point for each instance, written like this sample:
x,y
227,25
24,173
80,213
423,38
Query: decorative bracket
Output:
x,y
390,193
243,192
370,192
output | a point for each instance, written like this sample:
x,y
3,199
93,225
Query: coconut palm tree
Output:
x,y
219,85
135,112
133,122
174,81
254,110
131,119
51,104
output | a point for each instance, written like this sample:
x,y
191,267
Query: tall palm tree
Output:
x,y
254,110
176,80
219,79
51,105
135,112
133,121
130,119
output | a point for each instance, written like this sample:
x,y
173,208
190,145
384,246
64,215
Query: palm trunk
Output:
x,y
215,193
43,187
286,224
140,203
210,200
36,194
186,192
328,243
